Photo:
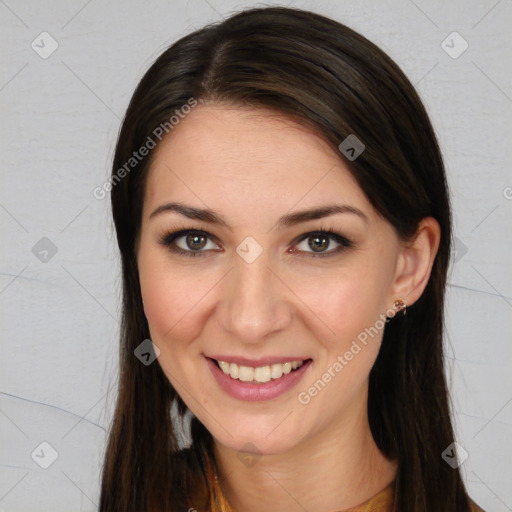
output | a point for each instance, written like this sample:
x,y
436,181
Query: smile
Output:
x,y
260,374
257,383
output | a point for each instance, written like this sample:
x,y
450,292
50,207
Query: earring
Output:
x,y
400,305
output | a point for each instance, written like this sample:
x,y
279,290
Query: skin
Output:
x,y
251,167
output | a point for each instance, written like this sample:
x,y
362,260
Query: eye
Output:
x,y
193,241
319,241
190,242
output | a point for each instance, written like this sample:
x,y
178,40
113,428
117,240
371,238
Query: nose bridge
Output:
x,y
253,302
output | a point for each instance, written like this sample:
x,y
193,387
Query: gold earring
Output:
x,y
400,305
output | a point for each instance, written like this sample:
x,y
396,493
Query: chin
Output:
x,y
256,441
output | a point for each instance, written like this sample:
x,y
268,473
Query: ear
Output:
x,y
415,261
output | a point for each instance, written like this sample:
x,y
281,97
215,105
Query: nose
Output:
x,y
254,304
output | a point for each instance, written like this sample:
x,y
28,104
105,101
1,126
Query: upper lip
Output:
x,y
255,363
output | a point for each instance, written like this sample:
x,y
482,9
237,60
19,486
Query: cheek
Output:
x,y
345,303
349,309
166,303
172,302
173,299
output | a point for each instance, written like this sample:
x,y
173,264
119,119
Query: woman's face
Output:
x,y
254,285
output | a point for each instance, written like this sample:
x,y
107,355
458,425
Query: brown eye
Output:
x,y
195,242
318,242
188,242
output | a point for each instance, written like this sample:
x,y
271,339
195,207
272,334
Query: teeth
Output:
x,y
245,373
276,371
233,370
224,366
261,374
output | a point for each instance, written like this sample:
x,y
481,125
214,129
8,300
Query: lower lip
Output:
x,y
256,392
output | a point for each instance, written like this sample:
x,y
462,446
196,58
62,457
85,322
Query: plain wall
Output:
x,y
59,312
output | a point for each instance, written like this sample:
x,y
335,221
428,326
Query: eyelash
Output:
x,y
169,237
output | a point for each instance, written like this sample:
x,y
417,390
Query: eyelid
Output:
x,y
169,236
342,241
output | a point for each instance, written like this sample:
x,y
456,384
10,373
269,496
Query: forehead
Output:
x,y
244,160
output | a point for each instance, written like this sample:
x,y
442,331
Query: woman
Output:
x,y
284,225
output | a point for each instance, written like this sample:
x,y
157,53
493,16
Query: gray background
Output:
x,y
59,312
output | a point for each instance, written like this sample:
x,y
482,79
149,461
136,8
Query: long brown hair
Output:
x,y
334,81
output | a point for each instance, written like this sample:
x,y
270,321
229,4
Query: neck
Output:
x,y
332,470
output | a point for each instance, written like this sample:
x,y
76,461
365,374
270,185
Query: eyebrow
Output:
x,y
285,221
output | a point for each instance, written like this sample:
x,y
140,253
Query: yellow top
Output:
x,y
381,502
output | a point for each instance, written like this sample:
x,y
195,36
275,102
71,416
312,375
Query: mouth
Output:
x,y
259,374
260,382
